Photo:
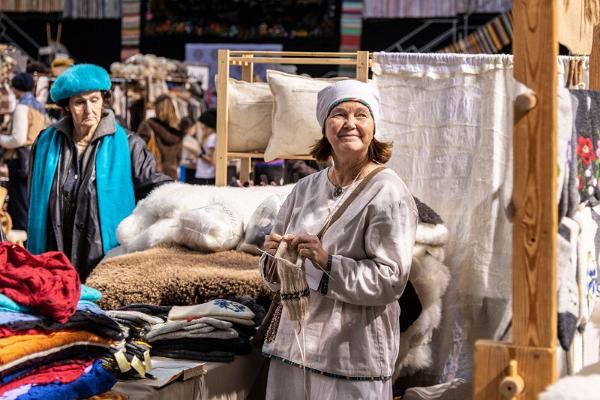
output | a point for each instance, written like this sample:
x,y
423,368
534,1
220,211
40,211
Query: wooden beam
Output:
x,y
294,60
248,76
535,48
222,118
245,168
248,70
595,60
492,362
293,53
362,66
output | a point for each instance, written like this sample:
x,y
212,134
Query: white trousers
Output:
x,y
288,382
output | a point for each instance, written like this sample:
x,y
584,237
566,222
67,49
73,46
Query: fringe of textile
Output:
x,y
574,73
294,288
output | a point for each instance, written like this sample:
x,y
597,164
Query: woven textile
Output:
x,y
490,38
32,5
130,28
450,118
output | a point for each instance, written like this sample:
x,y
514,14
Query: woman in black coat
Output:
x,y
87,173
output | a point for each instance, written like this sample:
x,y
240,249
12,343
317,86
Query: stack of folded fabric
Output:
x,y
52,334
131,359
212,331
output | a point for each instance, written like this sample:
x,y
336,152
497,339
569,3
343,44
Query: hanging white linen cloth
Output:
x,y
450,119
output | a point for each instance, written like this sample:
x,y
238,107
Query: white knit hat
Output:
x,y
346,90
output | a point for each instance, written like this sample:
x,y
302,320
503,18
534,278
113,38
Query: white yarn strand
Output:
x,y
294,288
261,251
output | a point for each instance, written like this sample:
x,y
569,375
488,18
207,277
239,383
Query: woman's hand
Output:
x,y
272,243
309,246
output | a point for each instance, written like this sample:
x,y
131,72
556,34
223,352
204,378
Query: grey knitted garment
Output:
x,y
205,324
134,316
568,303
216,334
587,126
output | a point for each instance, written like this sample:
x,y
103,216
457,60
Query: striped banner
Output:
x,y
130,28
350,31
32,5
351,25
490,38
409,8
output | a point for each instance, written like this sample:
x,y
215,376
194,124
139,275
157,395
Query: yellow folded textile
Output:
x,y
14,347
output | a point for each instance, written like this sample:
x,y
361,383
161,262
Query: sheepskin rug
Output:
x,y
174,275
158,217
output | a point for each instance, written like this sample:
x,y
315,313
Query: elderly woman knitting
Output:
x,y
339,254
87,173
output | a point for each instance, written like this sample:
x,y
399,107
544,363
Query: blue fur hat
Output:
x,y
78,79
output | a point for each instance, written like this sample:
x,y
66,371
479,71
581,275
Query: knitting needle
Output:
x,y
281,259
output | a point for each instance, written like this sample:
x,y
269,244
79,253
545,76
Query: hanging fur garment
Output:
x,y
294,289
591,10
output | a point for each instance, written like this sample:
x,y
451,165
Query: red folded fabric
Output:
x,y
60,372
6,332
47,283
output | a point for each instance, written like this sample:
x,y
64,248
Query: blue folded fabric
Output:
x,y
89,306
10,317
90,294
96,381
7,304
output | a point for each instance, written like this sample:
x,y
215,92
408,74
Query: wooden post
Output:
x,y
222,118
248,70
248,76
362,66
534,194
535,49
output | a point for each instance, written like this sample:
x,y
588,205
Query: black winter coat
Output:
x,y
74,222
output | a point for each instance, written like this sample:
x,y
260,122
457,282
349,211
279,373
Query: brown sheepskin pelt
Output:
x,y
173,275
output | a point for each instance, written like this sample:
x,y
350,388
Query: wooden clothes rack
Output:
x,y
523,368
247,59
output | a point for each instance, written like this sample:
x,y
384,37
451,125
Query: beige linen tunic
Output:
x,y
353,330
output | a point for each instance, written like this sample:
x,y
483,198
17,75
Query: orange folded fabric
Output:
x,y
14,347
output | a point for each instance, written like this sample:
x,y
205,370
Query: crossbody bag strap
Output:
x,y
349,200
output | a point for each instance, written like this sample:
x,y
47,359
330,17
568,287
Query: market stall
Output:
x,y
485,186
486,174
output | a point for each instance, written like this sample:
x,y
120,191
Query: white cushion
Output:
x,y
295,126
250,107
216,227
260,224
